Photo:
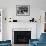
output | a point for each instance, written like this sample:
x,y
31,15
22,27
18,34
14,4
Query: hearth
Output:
x,y
22,37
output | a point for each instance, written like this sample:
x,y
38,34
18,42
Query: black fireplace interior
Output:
x,y
22,37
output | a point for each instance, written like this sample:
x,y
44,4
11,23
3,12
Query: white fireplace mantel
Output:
x,y
26,27
21,29
23,26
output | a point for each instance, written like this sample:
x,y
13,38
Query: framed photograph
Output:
x,y
0,13
23,10
0,20
0,24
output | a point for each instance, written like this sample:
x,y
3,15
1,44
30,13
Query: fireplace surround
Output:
x,y
21,35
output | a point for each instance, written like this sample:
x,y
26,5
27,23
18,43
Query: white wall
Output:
x,y
40,26
34,3
4,25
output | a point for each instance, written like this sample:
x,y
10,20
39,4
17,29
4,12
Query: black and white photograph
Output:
x,y
23,10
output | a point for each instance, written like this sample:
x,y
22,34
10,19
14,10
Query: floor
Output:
x,y
20,45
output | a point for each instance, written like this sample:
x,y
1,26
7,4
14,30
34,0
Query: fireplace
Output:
x,y
22,37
